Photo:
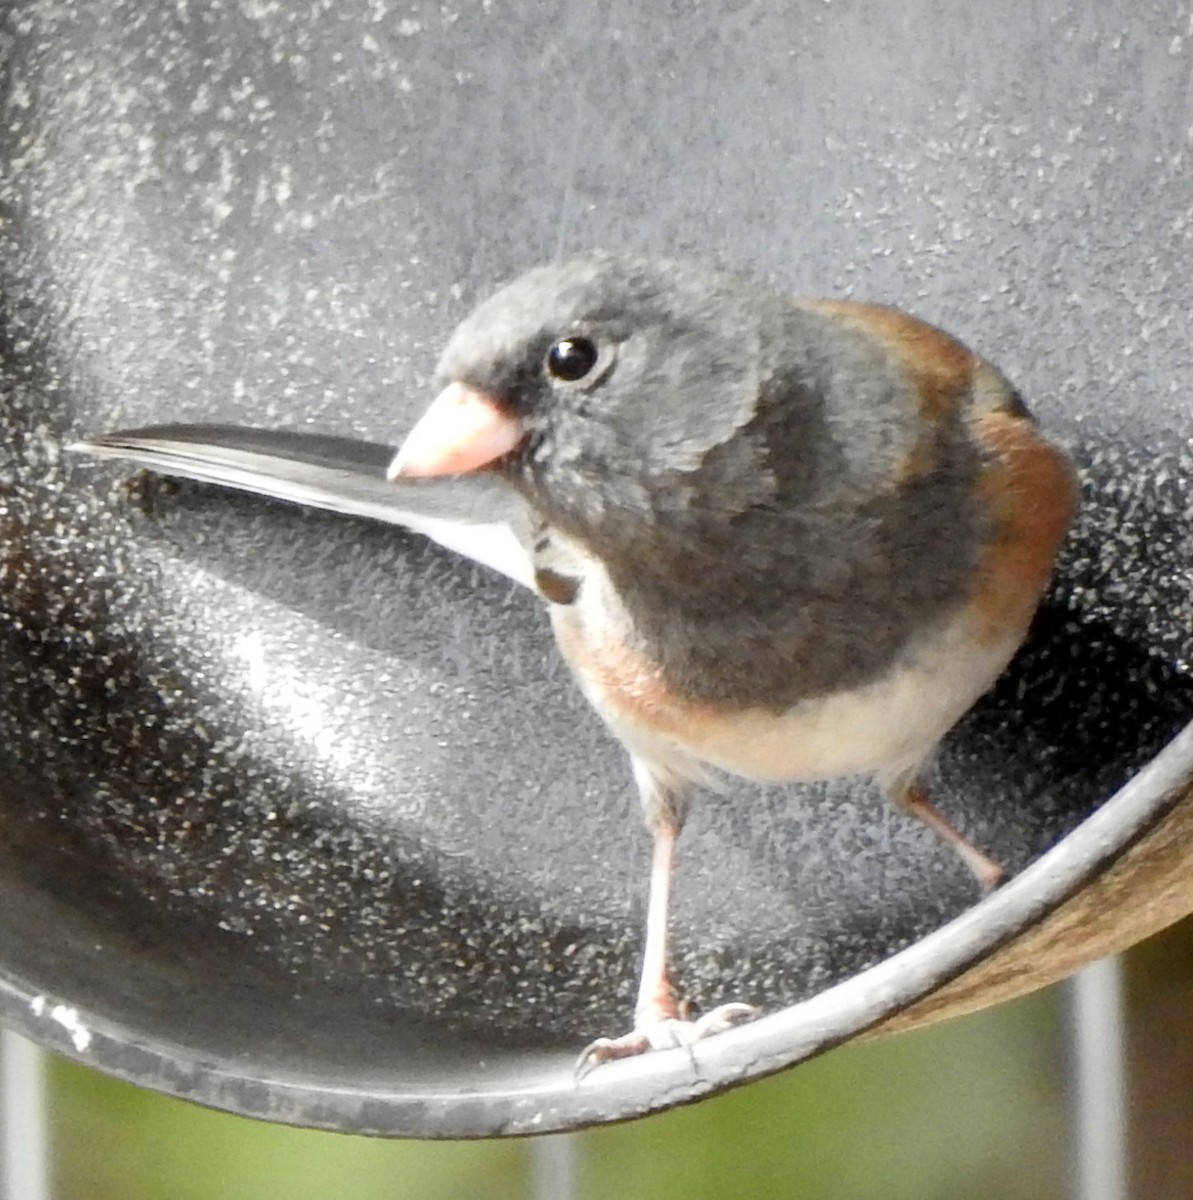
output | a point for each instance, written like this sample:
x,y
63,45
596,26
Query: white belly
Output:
x,y
883,728
888,728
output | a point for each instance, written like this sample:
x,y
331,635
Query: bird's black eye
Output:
x,y
572,358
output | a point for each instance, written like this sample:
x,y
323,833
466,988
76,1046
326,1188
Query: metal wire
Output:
x,y
555,1167
24,1172
1100,1082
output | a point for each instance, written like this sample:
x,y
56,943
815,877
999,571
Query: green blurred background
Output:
x,y
972,1110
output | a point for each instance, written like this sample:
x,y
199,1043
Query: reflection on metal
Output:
x,y
1100,1082
24,1172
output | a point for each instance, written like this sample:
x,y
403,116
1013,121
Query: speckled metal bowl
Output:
x,y
299,814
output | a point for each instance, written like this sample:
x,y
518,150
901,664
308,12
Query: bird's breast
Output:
x,y
890,721
884,727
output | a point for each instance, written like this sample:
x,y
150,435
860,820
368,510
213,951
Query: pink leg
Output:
x,y
656,996
658,1024
985,870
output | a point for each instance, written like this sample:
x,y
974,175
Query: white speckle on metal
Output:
x,y
68,1018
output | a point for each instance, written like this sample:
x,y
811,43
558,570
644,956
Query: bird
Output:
x,y
780,539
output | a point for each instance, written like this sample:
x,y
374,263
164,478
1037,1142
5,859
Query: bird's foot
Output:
x,y
663,1033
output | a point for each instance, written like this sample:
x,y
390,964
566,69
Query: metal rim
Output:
x,y
635,1087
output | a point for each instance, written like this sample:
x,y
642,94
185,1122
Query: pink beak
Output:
x,y
463,430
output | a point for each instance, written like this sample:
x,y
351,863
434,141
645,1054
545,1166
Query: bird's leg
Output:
x,y
912,799
656,993
658,1021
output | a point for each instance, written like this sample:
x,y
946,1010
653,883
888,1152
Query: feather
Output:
x,y
477,516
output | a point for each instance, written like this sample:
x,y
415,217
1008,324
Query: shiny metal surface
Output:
x,y
299,815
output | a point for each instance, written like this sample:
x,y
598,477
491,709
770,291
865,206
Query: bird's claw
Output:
x,y
667,1033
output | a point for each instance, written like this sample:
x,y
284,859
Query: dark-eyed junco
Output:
x,y
785,539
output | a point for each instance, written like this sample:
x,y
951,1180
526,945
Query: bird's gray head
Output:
x,y
625,375
676,419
